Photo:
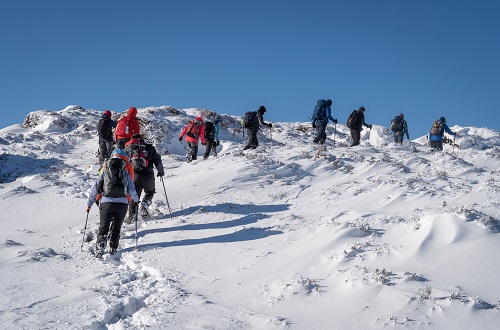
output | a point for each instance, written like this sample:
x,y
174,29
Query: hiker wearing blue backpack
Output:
x,y
252,122
355,123
321,115
437,132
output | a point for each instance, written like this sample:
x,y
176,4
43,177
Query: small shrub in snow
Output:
x,y
425,292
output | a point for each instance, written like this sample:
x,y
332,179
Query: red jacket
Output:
x,y
194,133
127,125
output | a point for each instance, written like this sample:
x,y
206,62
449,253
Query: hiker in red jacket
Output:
x,y
127,126
193,131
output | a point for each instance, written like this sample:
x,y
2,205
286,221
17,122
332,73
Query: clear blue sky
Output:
x,y
425,58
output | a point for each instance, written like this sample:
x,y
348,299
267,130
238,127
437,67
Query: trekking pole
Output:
x,y
334,133
136,209
165,190
84,229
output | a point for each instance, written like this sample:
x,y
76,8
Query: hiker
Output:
x,y
321,115
142,157
127,125
437,132
115,189
105,132
193,131
211,136
253,126
400,128
355,123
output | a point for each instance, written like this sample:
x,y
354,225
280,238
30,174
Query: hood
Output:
x,y
132,112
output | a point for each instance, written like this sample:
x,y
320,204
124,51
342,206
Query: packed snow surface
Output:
x,y
286,236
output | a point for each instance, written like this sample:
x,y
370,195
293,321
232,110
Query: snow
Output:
x,y
285,236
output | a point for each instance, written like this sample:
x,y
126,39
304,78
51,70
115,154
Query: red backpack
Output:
x,y
138,154
122,130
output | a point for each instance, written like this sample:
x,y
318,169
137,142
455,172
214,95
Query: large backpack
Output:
x,y
138,154
193,129
397,124
209,130
114,182
319,112
437,128
122,128
354,120
104,129
251,120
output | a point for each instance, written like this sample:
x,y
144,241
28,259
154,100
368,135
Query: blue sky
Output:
x,y
423,58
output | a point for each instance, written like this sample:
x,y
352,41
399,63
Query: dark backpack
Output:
x,y
104,129
209,130
193,129
138,154
354,120
319,112
437,128
114,182
397,124
251,120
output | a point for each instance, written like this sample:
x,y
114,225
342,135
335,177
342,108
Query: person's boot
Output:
x,y
100,246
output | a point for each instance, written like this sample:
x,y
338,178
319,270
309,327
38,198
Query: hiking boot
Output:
x,y
100,248
112,251
144,212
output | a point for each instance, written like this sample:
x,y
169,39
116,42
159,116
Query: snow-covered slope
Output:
x,y
282,237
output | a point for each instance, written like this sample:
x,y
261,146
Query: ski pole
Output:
x,y
84,229
136,219
165,190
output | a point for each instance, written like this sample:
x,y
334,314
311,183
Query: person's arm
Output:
x,y
448,130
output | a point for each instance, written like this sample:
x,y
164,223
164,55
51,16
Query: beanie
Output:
x,y
362,108
262,109
107,113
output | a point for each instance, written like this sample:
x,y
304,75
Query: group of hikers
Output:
x,y
128,161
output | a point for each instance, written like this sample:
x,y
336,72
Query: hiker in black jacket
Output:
x,y
105,132
252,131
358,126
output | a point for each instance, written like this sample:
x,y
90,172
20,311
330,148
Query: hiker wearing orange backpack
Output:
x,y
194,131
127,126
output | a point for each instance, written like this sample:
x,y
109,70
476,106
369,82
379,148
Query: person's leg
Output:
x,y
322,133
119,213
103,151
106,216
148,183
208,148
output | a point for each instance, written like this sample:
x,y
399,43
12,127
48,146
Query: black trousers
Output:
x,y
252,138
105,149
210,145
398,137
356,137
144,181
111,218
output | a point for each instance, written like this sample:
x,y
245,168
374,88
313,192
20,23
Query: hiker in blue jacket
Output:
x,y
437,132
321,115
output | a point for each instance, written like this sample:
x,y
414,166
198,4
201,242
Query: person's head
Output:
x,y
262,109
120,144
442,119
107,113
362,108
329,102
132,112
402,116
218,119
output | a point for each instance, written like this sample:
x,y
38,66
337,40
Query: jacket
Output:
x,y
201,131
128,125
439,137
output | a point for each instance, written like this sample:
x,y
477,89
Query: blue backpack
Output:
x,y
319,112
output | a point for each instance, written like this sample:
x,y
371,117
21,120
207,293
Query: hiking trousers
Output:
x,y
210,145
320,131
398,137
356,137
252,138
193,150
105,149
111,218
143,181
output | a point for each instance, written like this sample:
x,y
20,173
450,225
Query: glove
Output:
x,y
270,125
335,121
180,138
97,202
160,173
370,126
217,143
88,209
314,125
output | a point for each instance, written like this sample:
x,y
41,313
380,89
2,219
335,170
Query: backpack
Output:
x,y
104,129
437,128
138,154
193,129
251,120
209,130
353,121
397,124
319,112
122,128
114,182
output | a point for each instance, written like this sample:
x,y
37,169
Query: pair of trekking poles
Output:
x,y
136,218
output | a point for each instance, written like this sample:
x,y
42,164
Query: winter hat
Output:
x,y
402,116
132,112
442,119
107,113
262,109
329,102
362,108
